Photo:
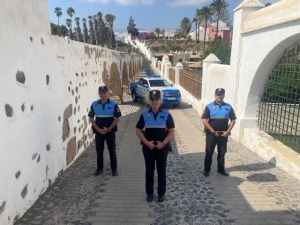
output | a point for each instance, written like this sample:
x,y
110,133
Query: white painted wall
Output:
x,y
26,45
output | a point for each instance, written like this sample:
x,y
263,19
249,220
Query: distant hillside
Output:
x,y
165,46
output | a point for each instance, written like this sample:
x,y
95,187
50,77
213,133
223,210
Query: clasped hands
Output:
x,y
220,133
155,144
103,131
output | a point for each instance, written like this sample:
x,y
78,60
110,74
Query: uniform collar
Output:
x,y
223,103
159,110
99,102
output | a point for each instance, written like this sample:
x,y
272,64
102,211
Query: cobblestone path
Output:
x,y
256,192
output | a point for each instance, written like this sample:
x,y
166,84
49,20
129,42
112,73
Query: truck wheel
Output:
x,y
134,98
176,105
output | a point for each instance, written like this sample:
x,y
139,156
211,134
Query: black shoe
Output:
x,y
160,198
149,198
224,173
115,173
98,172
206,173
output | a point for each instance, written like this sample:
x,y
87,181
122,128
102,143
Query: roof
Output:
x,y
195,65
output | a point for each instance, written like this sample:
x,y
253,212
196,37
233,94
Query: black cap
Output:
x,y
103,89
220,91
154,95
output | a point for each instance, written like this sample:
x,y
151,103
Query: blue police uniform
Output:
x,y
105,114
156,129
218,117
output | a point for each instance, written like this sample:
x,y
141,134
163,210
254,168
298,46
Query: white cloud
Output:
x,y
124,2
178,3
147,2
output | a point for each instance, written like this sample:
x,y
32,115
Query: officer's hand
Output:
x,y
159,145
102,131
105,129
216,133
225,134
151,145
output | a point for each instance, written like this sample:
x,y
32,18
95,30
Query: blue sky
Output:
x,y
147,14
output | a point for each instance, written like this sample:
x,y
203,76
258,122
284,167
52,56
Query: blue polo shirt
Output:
x,y
218,115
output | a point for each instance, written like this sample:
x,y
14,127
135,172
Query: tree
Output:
x,y
85,30
70,12
110,20
218,8
96,29
91,30
185,25
68,23
157,31
221,48
131,28
63,30
101,29
58,13
205,15
78,30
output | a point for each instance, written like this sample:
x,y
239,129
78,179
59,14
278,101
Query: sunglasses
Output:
x,y
219,95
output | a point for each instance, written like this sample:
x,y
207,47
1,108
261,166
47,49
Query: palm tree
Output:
x,y
101,29
91,30
68,23
110,20
78,30
58,13
157,31
70,12
185,25
85,30
96,30
218,8
197,20
205,15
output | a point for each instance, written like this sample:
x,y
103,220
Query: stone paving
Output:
x,y
256,192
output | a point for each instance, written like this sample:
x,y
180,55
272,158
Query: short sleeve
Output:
x,y
170,122
141,123
206,113
117,111
91,112
232,115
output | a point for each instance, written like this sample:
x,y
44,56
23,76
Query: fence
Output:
x,y
191,83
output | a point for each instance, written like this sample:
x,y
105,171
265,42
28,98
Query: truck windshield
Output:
x,y
159,83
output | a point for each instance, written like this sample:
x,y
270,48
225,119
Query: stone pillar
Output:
x,y
165,60
178,67
240,14
207,62
168,66
159,66
154,61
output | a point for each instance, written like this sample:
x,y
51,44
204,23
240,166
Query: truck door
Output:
x,y
139,87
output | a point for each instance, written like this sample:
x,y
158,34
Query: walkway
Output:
x,y
256,192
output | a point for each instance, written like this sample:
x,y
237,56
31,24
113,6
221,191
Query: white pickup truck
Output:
x,y
140,89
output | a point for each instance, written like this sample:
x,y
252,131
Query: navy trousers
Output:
x,y
211,142
110,139
160,157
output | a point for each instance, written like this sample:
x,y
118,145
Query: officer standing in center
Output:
x,y
107,115
159,130
215,118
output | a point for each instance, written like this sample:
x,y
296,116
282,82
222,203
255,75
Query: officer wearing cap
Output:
x,y
158,125
107,115
215,118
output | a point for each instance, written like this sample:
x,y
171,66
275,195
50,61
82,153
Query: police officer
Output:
x,y
107,115
215,118
159,130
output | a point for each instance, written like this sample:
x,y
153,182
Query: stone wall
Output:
x,y
47,85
